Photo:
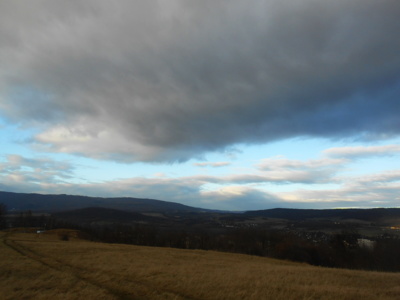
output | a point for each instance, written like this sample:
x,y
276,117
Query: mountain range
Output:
x,y
83,209
56,203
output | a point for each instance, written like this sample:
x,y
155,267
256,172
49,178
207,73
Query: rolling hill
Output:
x,y
370,215
56,203
42,266
85,209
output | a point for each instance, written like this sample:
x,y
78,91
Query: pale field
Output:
x,y
41,266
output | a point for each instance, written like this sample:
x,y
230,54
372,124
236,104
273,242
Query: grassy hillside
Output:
x,y
41,266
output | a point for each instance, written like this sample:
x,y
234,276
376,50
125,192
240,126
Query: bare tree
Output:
x,y
3,212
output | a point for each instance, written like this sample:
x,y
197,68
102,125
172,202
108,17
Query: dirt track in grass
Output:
x,y
41,266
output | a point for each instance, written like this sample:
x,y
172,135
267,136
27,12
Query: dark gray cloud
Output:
x,y
171,80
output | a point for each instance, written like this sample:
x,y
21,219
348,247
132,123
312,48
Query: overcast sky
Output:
x,y
219,104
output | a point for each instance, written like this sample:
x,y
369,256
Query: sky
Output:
x,y
232,105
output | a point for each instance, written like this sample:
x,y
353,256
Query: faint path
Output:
x,y
60,267
85,275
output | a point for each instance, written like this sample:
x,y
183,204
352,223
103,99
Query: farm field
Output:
x,y
42,266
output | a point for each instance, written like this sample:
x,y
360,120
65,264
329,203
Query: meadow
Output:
x,y
43,266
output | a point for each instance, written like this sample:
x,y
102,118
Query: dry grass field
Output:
x,y
41,266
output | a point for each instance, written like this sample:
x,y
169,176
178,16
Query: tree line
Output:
x,y
341,250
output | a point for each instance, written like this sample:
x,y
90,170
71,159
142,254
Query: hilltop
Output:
x,y
54,203
42,266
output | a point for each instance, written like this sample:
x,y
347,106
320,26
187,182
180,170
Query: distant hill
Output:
x,y
91,215
83,207
370,215
54,203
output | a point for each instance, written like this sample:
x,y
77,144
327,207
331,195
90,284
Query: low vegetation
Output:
x,y
44,266
322,242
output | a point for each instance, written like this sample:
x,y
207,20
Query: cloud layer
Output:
x,y
171,80
317,183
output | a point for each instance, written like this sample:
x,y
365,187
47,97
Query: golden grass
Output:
x,y
40,266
